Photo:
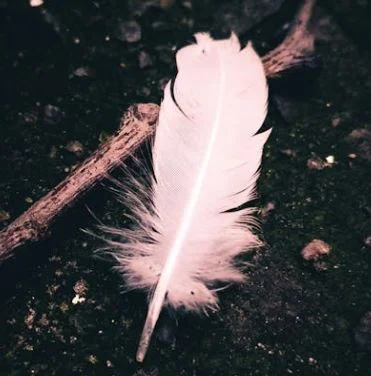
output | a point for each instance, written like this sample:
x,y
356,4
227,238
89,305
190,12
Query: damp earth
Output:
x,y
68,71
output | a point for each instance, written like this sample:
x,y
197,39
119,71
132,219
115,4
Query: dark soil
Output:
x,y
68,71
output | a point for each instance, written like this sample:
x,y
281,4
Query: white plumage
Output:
x,y
206,158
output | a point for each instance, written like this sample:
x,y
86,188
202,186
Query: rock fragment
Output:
x,y
315,249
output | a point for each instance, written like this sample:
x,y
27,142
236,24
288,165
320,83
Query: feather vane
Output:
x,y
206,157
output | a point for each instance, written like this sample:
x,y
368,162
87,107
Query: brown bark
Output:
x,y
137,124
296,47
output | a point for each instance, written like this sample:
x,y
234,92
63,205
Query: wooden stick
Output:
x,y
137,124
296,47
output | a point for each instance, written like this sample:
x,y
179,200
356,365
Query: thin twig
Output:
x,y
137,124
296,47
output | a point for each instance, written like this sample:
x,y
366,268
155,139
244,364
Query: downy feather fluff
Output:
x,y
206,156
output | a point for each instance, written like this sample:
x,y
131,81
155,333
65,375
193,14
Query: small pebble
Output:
x,y
78,299
76,148
315,249
288,152
53,114
29,319
187,4
36,3
64,307
335,121
30,117
92,359
128,31
316,163
144,59
340,118
28,347
4,215
80,287
73,339
330,159
367,241
84,72
44,320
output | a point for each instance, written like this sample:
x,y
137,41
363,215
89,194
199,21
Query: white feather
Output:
x,y
206,158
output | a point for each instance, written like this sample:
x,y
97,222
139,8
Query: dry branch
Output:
x,y
137,124
296,47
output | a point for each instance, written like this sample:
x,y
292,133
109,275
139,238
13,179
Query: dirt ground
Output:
x,y
68,70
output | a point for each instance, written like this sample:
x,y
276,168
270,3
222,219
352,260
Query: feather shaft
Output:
x,y
158,298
